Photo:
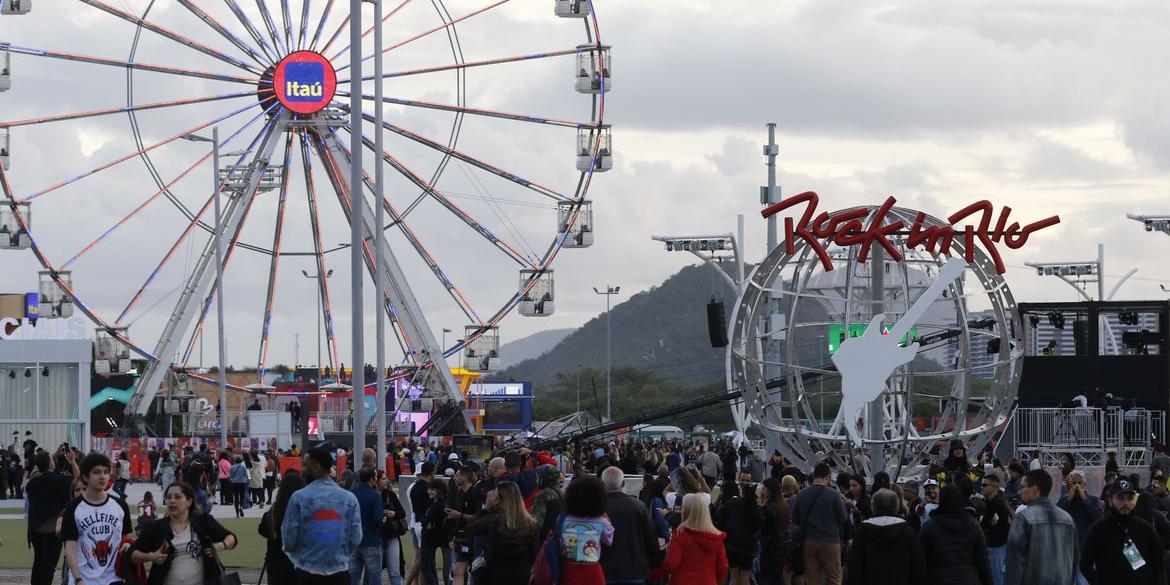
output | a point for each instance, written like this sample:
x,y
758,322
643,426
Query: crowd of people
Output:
x,y
700,516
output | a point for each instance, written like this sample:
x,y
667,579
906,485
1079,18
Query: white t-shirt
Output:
x,y
98,531
186,565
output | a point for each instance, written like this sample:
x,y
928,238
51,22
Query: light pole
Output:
x,y
380,269
608,292
445,332
356,208
215,182
578,388
320,318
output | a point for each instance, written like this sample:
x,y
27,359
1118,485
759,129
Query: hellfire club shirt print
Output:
x,y
98,530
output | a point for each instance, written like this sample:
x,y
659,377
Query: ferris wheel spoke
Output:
x,y
306,6
257,37
371,29
318,254
469,64
286,13
211,296
556,196
431,31
270,25
445,201
196,220
275,262
178,38
452,289
135,212
263,61
137,153
127,64
138,108
321,24
341,187
336,33
476,111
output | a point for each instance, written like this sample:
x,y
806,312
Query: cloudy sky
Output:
x,y
1054,107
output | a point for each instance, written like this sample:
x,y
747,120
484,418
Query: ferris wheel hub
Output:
x,y
304,82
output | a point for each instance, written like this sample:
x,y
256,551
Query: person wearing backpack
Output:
x,y
738,515
819,512
548,505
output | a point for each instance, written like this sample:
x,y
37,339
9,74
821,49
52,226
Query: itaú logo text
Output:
x,y
297,91
304,82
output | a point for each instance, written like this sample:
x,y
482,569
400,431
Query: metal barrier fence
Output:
x,y
1089,434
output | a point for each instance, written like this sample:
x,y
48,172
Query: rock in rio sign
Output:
x,y
869,365
846,229
305,82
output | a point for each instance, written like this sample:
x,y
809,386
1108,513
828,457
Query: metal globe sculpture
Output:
x,y
874,354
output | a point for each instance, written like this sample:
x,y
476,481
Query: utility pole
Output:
x,y
608,292
379,241
356,207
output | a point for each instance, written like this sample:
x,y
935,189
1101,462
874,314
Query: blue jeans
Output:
x,y
996,555
393,556
368,559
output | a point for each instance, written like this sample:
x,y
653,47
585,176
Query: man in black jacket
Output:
x,y
1122,549
635,544
996,521
48,494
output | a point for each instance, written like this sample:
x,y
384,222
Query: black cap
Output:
x,y
1122,486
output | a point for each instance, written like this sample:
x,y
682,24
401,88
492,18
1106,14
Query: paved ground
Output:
x,y
14,509
21,577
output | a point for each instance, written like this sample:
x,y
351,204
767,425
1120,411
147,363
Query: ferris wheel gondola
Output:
x,y
284,113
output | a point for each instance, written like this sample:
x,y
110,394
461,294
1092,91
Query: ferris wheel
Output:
x,y
480,200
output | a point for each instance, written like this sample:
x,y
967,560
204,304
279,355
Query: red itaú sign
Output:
x,y
846,228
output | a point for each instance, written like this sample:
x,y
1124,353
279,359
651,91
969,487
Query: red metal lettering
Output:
x,y
844,228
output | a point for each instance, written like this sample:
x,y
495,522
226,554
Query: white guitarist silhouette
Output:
x,y
867,361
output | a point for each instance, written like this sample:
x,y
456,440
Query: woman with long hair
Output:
x,y
512,534
238,480
256,479
121,474
280,568
166,468
696,555
773,532
583,532
393,528
738,514
183,547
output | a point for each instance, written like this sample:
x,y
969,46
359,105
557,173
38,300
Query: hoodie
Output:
x,y
885,551
955,550
706,559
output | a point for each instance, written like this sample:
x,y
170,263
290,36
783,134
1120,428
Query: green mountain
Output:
x,y
661,331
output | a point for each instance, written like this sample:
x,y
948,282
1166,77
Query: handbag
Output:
x,y
226,578
546,570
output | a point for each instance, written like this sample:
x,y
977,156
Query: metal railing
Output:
x,y
1088,434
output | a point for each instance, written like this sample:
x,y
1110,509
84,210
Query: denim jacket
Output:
x,y
321,528
1042,546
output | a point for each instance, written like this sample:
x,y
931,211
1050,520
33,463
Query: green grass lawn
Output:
x,y
249,554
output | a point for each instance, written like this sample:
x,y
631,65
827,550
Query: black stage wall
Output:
x,y
1052,381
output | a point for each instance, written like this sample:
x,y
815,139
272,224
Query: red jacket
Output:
x,y
705,559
